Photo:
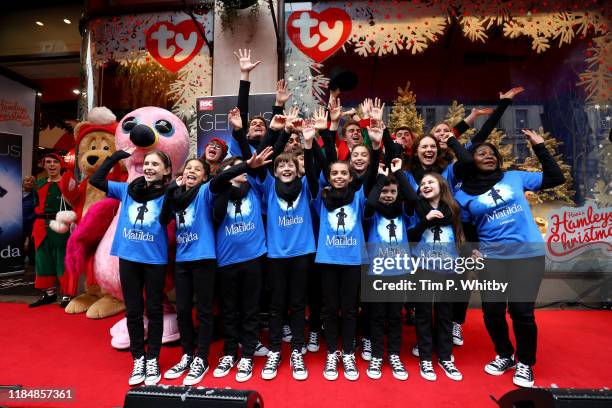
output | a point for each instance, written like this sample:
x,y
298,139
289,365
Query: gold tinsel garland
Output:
x,y
148,83
404,113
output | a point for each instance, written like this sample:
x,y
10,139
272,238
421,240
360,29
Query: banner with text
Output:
x,y
11,220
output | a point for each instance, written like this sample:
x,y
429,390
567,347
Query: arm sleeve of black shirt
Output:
x,y
98,179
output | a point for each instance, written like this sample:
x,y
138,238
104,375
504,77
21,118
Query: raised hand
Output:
x,y
234,119
130,150
366,107
511,93
481,111
533,137
244,59
335,109
278,122
396,165
350,113
383,170
179,181
309,132
282,94
261,159
320,118
434,214
291,116
376,111
445,136
375,133
297,124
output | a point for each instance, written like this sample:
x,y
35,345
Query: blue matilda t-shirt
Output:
x,y
502,217
448,174
139,236
288,225
241,236
341,240
195,235
437,249
387,238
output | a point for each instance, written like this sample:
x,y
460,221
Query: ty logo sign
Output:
x,y
173,46
319,35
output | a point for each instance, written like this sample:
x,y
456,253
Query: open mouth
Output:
x,y
287,174
191,177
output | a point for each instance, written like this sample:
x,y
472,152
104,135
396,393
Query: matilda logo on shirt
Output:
x,y
504,212
499,195
137,235
340,241
184,218
342,220
186,237
390,231
239,228
238,209
437,239
285,221
143,214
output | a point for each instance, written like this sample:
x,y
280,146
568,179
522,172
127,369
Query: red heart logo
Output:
x,y
173,46
319,35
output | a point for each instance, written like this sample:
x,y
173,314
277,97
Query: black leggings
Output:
x,y
198,277
134,277
381,313
314,297
524,277
340,291
240,291
288,278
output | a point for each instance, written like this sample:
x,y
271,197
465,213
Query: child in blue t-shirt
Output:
x,y
141,243
340,254
189,201
387,238
240,245
493,200
437,232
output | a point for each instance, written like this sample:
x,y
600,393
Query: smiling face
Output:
x,y
427,151
340,175
28,183
147,129
352,135
293,144
388,194
438,131
213,152
360,159
485,158
429,187
285,170
52,166
154,168
257,129
404,137
194,173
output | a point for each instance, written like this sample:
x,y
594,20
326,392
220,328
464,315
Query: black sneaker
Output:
x,y
180,368
499,366
138,372
64,302
313,342
427,371
245,369
330,372
270,369
287,334
260,350
450,370
374,370
350,367
197,369
298,369
44,300
225,365
457,334
153,375
523,376
399,371
366,349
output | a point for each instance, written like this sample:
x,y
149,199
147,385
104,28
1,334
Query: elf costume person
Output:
x,y
50,246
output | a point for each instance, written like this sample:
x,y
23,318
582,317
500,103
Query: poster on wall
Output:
x,y
11,219
212,117
17,113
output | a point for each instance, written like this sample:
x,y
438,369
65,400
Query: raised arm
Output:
x,y
311,166
282,96
405,189
374,195
98,179
552,175
243,56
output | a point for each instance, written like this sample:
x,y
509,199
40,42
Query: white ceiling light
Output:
x,y
39,23
76,91
67,21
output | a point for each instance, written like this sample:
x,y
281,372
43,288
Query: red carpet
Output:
x,y
46,348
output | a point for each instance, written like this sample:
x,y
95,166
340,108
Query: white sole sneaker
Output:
x,y
522,383
269,376
351,377
457,377
374,376
168,375
366,357
457,342
313,348
495,371
244,378
152,381
136,381
330,377
221,374
400,377
429,377
194,381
